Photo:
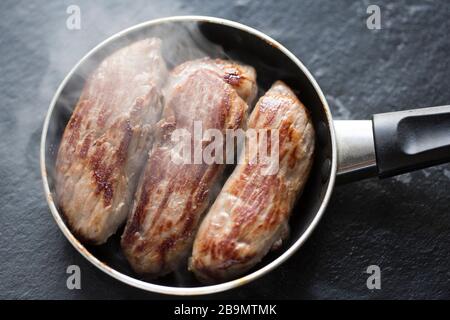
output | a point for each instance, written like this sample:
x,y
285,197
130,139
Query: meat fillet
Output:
x,y
107,139
172,196
250,215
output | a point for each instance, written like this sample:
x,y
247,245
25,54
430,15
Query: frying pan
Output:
x,y
386,145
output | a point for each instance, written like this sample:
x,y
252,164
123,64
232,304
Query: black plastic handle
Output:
x,y
410,140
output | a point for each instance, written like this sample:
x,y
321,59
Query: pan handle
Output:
x,y
392,143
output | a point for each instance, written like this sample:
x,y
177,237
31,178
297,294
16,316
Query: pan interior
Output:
x,y
186,40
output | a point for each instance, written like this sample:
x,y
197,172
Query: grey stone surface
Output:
x,y
401,224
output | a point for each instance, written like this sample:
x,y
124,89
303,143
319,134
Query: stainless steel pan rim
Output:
x,y
188,291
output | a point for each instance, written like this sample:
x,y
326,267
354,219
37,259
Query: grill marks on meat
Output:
x,y
103,161
250,215
103,147
171,198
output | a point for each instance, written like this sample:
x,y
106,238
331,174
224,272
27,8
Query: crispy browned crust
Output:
x,y
171,198
250,215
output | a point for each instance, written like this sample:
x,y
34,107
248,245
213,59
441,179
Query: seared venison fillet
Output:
x,y
250,214
172,195
107,139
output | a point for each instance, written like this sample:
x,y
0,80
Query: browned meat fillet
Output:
x,y
107,139
250,215
172,196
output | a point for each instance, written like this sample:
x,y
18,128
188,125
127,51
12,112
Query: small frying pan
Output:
x,y
387,145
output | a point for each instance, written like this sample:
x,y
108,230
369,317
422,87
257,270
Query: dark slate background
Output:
x,y
401,224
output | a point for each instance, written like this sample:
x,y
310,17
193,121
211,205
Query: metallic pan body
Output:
x,y
329,173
